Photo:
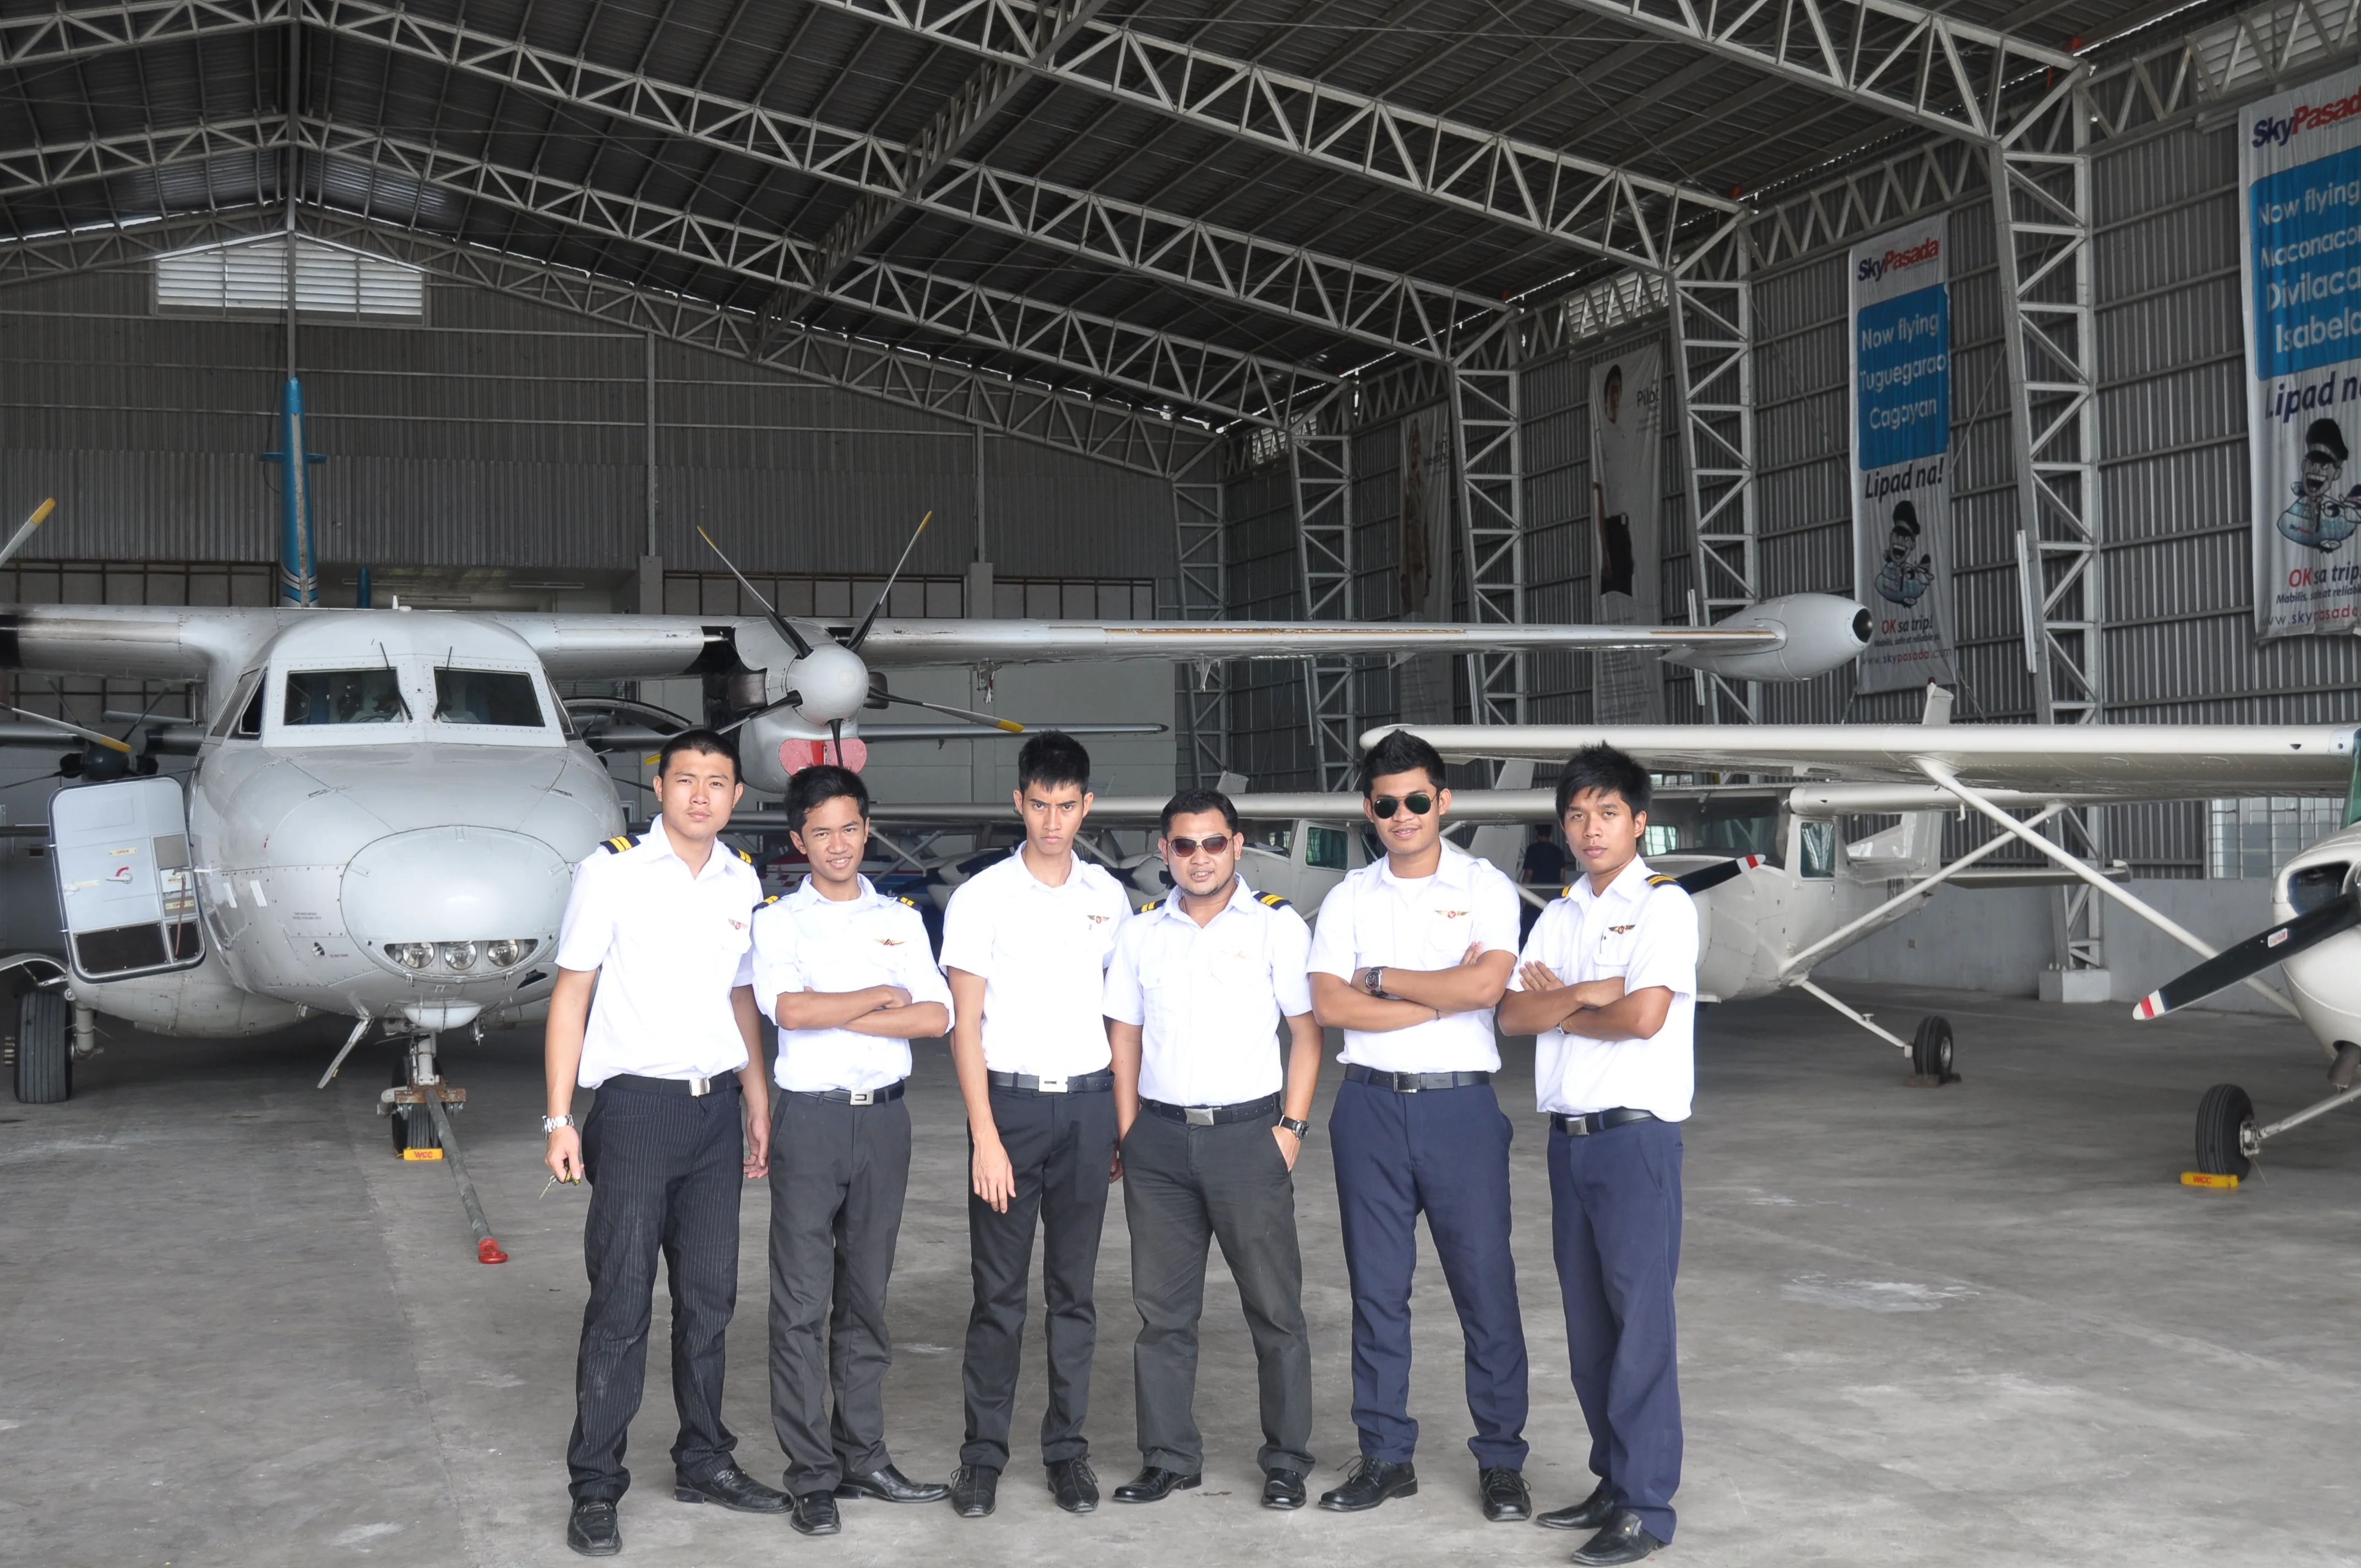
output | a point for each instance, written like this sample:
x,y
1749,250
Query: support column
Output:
x,y
1198,553
1487,452
1712,300
1320,463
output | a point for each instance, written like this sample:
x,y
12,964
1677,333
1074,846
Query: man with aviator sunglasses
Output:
x,y
1409,957
1210,1129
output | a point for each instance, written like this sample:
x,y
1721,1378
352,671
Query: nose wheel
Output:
x,y
419,1106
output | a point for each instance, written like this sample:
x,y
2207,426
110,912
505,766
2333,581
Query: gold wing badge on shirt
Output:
x,y
891,941
1451,914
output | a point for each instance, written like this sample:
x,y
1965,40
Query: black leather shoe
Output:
x,y
814,1513
1589,1514
1625,1540
1371,1483
1283,1489
974,1490
888,1485
1075,1484
1506,1498
1154,1483
591,1531
732,1488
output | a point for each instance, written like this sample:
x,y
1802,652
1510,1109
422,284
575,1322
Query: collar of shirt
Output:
x,y
656,844
1457,869
809,893
1630,886
1242,901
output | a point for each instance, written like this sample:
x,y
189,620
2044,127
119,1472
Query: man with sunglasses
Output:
x,y
1409,957
1211,1127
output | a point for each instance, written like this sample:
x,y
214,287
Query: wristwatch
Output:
x,y
551,1123
1375,984
1300,1128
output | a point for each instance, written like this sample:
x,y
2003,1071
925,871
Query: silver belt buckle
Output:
x,y
700,1086
1578,1125
1406,1083
1049,1085
861,1097
1197,1115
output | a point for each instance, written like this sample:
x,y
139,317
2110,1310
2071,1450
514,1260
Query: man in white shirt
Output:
x,y
1024,948
1409,957
658,926
1607,984
1211,1127
848,976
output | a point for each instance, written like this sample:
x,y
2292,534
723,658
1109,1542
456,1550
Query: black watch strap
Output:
x,y
1300,1128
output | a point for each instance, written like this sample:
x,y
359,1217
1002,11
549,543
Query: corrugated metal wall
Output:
x,y
501,433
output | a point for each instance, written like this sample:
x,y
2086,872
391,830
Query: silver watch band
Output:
x,y
551,1123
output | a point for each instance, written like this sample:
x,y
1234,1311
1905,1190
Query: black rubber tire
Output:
x,y
2220,1115
413,1128
1930,1050
44,1048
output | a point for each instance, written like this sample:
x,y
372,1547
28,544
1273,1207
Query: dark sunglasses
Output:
x,y
1420,804
1184,848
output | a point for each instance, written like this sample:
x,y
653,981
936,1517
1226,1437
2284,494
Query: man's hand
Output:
x,y
563,1156
1290,1146
1538,977
896,996
1474,954
991,1177
758,1142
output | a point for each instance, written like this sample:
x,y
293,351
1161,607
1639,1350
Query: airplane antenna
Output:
x,y
861,635
17,540
785,628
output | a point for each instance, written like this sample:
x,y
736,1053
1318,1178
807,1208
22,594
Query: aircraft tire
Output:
x,y
44,1060
2222,1115
1930,1050
412,1127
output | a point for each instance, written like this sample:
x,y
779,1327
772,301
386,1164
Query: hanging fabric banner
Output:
x,y
1627,458
2299,171
1901,455
1422,681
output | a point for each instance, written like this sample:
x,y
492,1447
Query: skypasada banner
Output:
x,y
1902,454
2300,169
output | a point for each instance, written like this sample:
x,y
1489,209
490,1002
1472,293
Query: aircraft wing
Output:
x,y
2108,761
1467,806
895,642
134,642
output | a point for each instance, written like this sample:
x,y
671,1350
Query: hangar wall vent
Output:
x,y
249,277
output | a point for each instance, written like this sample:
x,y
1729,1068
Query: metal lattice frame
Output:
x,y
1200,555
1487,454
1713,368
1320,472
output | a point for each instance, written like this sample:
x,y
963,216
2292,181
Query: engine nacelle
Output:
x,y
1822,631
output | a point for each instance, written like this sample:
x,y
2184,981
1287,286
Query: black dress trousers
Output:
x,y
664,1173
1059,1146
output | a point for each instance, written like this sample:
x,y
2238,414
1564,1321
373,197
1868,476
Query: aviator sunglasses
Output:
x,y
1420,804
1184,848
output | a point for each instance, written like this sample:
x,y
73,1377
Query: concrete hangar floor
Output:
x,y
1980,1324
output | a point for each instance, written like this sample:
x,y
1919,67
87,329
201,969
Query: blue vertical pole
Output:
x,y
297,571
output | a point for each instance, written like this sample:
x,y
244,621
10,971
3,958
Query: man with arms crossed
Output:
x,y
849,978
1025,946
1210,1128
1409,957
659,926
1609,985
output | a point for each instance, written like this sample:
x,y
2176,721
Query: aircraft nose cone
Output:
x,y
446,886
833,681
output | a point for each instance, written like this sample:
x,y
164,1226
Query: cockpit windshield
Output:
x,y
344,696
485,697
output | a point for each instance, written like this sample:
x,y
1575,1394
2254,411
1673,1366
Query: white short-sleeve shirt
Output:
x,y
808,941
1426,923
1042,952
669,948
1209,998
1647,934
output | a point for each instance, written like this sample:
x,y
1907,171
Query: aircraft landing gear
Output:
x,y
2228,1139
44,1053
1931,1053
419,1106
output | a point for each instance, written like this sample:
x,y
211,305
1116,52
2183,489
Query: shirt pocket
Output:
x,y
1612,949
1447,936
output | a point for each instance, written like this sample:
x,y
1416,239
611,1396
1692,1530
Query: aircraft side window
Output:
x,y
242,714
486,696
1326,848
1818,845
344,696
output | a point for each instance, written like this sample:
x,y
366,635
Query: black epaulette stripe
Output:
x,y
1659,879
1275,901
621,842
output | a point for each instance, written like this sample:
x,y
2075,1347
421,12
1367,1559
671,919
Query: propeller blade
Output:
x,y
860,633
96,736
2251,957
779,623
1006,726
17,540
1704,877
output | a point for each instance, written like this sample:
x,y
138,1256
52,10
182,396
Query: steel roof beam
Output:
x,y
77,32
40,170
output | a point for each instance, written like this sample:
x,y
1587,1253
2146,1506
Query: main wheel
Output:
x,y
414,1125
44,1057
1930,1050
2225,1118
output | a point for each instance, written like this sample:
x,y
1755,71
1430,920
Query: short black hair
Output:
x,y
815,786
1905,517
2323,436
1191,802
1053,758
711,742
1603,768
1400,751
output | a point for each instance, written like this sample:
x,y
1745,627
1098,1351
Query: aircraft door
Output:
x,y
121,851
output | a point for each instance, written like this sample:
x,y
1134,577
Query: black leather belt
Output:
x,y
726,1084
1213,1116
1411,1082
1079,1083
1597,1121
891,1092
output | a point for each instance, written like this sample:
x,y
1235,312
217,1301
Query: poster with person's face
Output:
x,y
1901,322
1627,458
2299,173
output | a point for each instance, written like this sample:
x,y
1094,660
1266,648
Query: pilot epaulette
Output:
x,y
1566,892
745,857
1658,879
1273,901
621,842
906,898
768,902
1151,904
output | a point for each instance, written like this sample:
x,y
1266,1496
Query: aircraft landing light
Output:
x,y
2208,1180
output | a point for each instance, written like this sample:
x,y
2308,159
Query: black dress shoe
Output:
x,y
1625,1540
1154,1483
1506,1498
1589,1514
732,1488
974,1490
1075,1484
1283,1489
591,1531
814,1514
888,1485
1371,1483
